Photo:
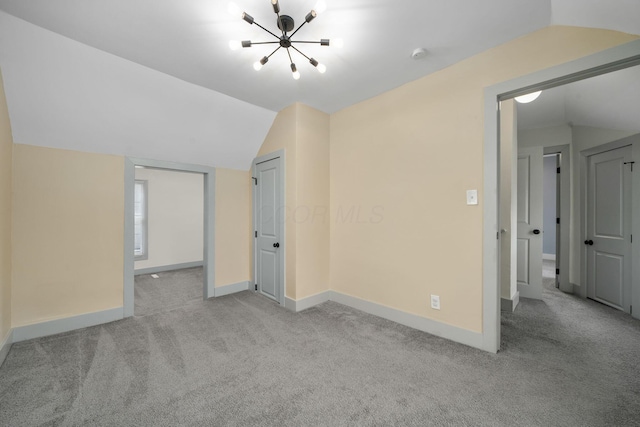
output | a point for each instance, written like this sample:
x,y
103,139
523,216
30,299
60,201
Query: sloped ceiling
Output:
x,y
157,79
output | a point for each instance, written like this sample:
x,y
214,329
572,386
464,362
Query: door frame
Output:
x,y
564,209
282,217
634,142
208,240
613,59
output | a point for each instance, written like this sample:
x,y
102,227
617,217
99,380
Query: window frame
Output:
x,y
145,220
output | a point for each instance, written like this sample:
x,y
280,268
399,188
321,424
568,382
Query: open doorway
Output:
x,y
615,59
207,177
168,239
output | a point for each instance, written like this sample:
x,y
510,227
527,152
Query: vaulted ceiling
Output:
x,y
188,40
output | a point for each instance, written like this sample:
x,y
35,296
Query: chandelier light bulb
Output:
x,y
525,99
296,73
339,43
257,66
322,68
235,45
234,10
320,7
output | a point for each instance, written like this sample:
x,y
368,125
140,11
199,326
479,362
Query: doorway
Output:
x,y
168,231
208,190
269,226
614,59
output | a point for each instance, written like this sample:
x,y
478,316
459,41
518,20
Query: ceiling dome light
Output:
x,y
525,99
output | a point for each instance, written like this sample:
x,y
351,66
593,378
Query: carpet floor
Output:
x,y
172,289
241,360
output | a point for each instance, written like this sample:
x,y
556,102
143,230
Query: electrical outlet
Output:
x,y
435,302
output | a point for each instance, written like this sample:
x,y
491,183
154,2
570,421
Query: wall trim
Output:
x,y
208,227
57,326
550,257
6,346
161,268
307,302
433,327
510,304
231,289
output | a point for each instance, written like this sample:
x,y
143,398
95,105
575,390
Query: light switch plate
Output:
x,y
472,197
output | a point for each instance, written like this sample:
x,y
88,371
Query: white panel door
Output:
x,y
608,236
529,243
268,229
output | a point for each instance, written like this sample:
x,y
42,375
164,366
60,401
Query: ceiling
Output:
x,y
189,39
609,101
156,79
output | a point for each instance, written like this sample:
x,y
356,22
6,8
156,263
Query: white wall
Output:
x,y
175,217
64,94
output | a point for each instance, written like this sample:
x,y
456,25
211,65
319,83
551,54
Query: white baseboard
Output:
x,y
51,327
171,267
308,302
6,346
510,304
453,333
551,257
231,289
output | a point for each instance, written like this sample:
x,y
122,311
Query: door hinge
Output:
x,y
256,234
557,271
558,170
256,287
255,180
630,163
557,220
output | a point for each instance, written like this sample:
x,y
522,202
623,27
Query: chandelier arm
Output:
x,y
289,53
264,43
301,25
298,50
277,49
304,41
266,30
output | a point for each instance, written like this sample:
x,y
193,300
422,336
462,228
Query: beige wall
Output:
x,y
304,134
233,236
175,223
508,199
311,213
6,154
412,153
68,226
282,135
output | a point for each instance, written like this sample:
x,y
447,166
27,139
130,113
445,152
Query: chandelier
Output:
x,y
283,38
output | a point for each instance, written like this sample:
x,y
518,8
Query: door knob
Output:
x,y
536,231
588,242
276,245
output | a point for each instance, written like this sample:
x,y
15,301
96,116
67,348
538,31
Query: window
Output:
x,y
140,220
